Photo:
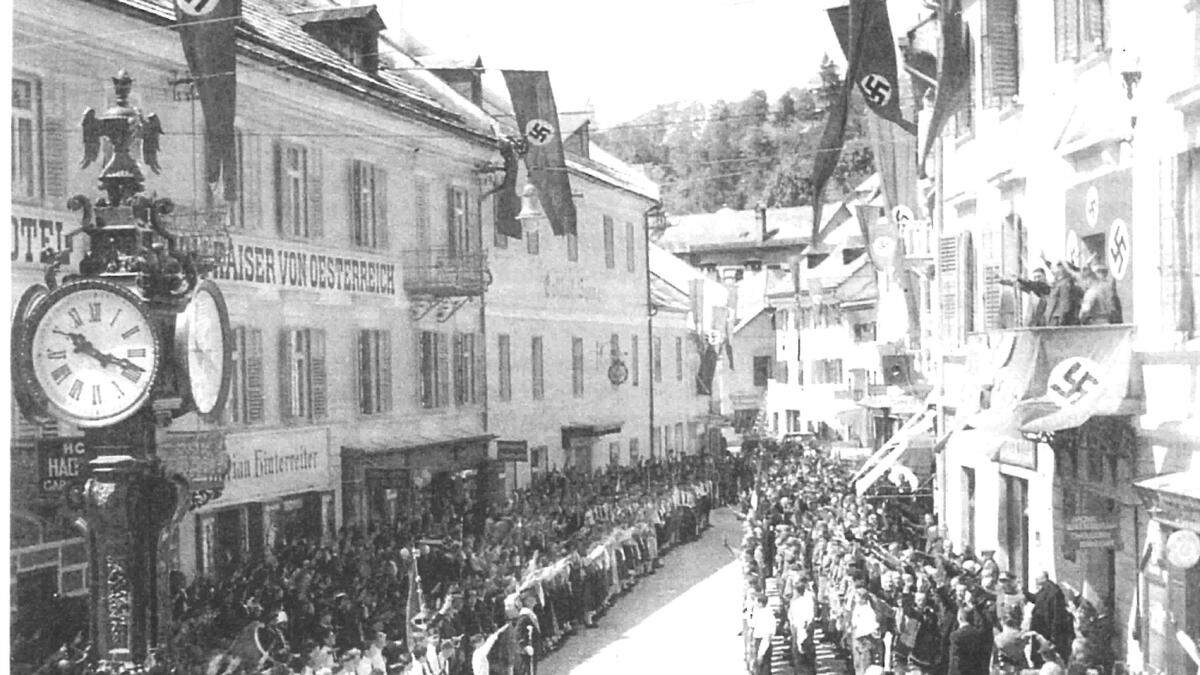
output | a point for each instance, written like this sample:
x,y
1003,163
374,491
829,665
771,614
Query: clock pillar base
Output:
x,y
128,503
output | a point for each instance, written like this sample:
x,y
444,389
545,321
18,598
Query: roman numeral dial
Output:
x,y
92,350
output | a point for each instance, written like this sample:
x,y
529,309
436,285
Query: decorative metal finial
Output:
x,y
122,124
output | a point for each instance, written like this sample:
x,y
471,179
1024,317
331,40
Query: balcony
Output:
x,y
443,273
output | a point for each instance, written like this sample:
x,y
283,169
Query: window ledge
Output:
x,y
1085,63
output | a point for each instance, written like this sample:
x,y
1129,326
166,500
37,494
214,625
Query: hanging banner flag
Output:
x,y
829,150
954,73
208,31
876,76
508,203
537,117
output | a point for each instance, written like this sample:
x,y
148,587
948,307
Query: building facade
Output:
x,y
353,265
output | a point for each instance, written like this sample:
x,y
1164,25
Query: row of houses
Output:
x,y
1070,450
386,335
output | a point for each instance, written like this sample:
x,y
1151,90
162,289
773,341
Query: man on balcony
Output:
x,y
1039,289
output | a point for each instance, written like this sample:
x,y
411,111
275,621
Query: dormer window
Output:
x,y
352,32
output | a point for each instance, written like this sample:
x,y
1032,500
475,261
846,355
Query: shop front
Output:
x,y
582,448
280,485
417,483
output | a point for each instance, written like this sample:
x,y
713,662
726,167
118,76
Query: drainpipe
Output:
x,y
649,213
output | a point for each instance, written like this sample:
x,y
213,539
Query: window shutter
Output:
x,y
452,242
948,285
253,359
385,370
354,189
470,240
1095,28
424,397
313,184
1000,52
966,281
54,143
456,360
283,205
630,248
316,365
480,374
251,174
443,369
609,254
991,297
1070,29
421,212
381,203
285,375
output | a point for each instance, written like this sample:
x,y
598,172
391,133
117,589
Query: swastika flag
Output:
x,y
875,76
537,118
208,30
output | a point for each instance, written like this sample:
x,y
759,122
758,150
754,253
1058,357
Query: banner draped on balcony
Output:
x,y
537,117
208,30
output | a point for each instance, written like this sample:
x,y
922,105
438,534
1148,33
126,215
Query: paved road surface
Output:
x,y
682,620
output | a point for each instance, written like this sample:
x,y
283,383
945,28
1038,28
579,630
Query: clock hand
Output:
x,y
84,346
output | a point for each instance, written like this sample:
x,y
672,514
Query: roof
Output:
x,y
742,323
271,31
727,228
605,167
1182,483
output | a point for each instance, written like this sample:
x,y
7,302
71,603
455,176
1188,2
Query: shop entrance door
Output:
x,y
581,453
1015,527
227,539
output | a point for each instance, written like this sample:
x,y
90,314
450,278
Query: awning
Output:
x,y
592,428
891,452
896,405
1183,485
418,451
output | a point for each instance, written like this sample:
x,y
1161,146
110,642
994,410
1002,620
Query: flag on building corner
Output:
x,y
877,78
954,73
208,30
507,202
537,118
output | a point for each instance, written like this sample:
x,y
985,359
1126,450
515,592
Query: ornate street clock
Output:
x,y
90,353
202,352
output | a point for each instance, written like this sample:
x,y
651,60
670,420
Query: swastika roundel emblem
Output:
x,y
539,131
1118,249
1074,379
902,215
884,247
197,7
1091,206
876,89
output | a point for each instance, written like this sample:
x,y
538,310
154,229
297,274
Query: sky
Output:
x,y
620,58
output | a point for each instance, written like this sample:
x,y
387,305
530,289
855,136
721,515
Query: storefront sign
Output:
x,y
294,268
271,464
1092,532
60,462
512,451
570,287
199,457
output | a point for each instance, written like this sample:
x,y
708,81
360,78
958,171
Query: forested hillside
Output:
x,y
744,152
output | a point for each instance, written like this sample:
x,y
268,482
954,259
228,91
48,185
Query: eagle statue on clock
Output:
x,y
136,324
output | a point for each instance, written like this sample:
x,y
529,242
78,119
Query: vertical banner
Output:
x,y
954,72
537,117
508,204
208,30
829,149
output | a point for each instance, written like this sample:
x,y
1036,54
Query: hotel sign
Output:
x,y
293,267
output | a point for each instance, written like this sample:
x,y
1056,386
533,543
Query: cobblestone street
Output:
x,y
683,619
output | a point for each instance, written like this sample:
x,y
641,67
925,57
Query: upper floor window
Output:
x,y
630,248
1080,28
458,223
434,364
610,257
577,366
1000,52
864,332
368,205
298,197
504,363
26,158
374,372
302,394
761,368
535,367
245,404
572,247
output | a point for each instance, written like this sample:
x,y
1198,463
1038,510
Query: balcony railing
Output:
x,y
441,272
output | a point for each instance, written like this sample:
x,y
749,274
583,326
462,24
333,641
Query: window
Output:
x,y
635,368
1001,53
577,366
421,219
535,368
781,371
26,164
679,358
298,204
504,360
435,369
762,370
1080,28
610,258
374,372
458,224
630,248
245,405
614,453
368,205
572,247
679,446
302,374
634,451
864,332
656,366
463,354
532,244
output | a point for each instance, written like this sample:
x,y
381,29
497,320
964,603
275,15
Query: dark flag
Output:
x,y
708,368
876,75
208,31
829,150
508,203
537,117
954,73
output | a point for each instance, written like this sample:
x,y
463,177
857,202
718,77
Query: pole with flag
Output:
x,y
537,117
208,31
416,600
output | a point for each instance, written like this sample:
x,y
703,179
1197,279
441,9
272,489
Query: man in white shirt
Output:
x,y
762,627
864,628
802,612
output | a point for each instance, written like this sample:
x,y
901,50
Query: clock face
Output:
x,y
201,332
92,352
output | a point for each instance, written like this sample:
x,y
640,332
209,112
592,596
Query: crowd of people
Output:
x,y
1077,295
482,588
883,585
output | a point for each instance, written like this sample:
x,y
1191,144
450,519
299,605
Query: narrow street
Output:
x,y
683,619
